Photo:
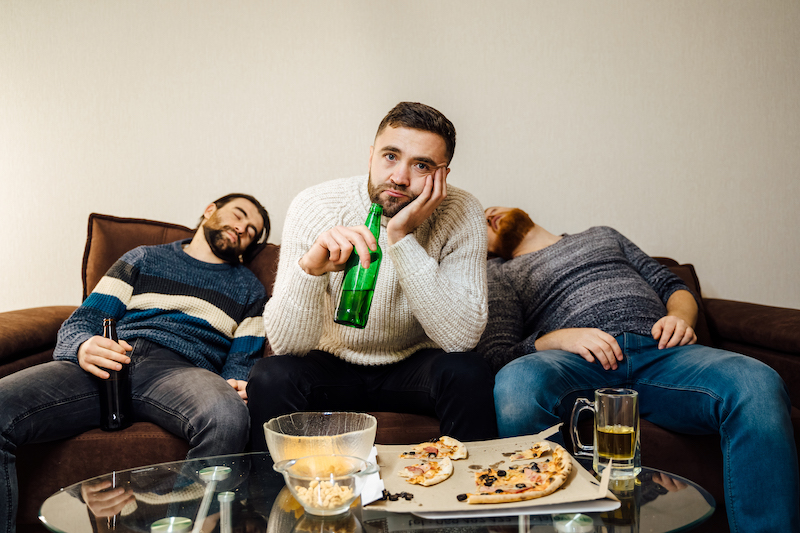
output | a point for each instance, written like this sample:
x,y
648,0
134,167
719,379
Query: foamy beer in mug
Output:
x,y
616,431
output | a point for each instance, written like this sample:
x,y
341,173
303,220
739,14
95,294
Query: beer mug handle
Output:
x,y
578,448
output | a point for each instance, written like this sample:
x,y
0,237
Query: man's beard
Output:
x,y
391,205
220,244
511,229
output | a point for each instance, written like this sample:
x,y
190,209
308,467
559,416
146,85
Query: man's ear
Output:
x,y
369,163
208,212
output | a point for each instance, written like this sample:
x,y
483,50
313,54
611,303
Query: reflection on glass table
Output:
x,y
243,494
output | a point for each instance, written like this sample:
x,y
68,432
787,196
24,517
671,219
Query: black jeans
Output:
x,y
454,387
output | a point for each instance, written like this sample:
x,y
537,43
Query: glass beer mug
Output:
x,y
616,432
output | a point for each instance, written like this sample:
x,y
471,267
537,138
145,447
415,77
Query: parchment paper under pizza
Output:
x,y
486,457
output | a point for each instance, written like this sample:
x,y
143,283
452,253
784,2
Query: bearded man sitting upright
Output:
x,y
569,314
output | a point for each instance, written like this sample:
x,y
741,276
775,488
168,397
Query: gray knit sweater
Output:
x,y
595,279
431,289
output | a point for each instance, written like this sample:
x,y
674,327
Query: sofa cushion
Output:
x,y
109,238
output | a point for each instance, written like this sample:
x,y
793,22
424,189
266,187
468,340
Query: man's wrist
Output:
x,y
305,268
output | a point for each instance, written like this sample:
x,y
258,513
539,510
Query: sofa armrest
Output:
x,y
772,328
26,332
769,334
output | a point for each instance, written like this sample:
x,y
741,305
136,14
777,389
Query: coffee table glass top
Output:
x,y
243,494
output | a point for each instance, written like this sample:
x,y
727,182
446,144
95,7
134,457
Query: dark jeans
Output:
x,y
454,387
59,399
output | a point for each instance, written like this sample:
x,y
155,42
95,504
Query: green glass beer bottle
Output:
x,y
359,283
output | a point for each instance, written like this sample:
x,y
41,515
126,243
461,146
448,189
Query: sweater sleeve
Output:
x,y
658,276
504,338
448,296
248,340
294,316
109,299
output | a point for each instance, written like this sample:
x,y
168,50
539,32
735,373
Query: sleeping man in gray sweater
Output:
x,y
572,313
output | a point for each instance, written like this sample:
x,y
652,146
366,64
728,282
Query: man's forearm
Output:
x,y
682,304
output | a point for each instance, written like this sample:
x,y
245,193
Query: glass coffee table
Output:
x,y
243,494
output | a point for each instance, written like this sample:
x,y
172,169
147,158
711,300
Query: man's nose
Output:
x,y
401,175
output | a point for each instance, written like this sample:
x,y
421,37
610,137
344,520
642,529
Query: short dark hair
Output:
x,y
262,238
422,117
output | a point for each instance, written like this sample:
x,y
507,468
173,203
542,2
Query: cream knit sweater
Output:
x,y
431,289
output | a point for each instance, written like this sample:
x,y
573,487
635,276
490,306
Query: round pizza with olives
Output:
x,y
520,482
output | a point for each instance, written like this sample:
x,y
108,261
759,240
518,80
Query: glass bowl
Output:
x,y
314,433
325,485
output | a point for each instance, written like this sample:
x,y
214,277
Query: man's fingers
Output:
x,y
337,246
596,353
93,369
605,356
611,344
586,354
667,332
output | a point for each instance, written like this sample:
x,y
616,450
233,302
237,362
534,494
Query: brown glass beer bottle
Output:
x,y
115,392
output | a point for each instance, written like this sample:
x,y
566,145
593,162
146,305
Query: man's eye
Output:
x,y
391,157
422,167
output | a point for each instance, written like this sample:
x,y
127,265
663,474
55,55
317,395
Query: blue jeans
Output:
x,y
690,389
59,399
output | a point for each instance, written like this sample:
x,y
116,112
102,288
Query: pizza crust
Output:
x,y
536,451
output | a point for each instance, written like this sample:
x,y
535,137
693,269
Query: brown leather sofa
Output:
x,y
27,337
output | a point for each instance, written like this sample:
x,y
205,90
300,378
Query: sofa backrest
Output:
x,y
110,237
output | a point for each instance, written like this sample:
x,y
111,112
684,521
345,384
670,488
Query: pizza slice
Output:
x,y
534,452
521,482
428,473
437,449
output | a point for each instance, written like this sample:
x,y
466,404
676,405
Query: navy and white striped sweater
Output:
x,y
209,313
594,279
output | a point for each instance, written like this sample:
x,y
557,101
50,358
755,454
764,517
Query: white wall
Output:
x,y
676,122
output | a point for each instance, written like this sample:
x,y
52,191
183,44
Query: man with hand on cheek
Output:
x,y
569,314
429,305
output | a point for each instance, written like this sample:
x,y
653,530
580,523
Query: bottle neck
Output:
x,y
373,221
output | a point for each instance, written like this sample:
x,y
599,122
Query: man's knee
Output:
x,y
761,388
224,425
273,372
466,369
527,374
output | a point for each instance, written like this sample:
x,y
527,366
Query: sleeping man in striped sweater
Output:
x,y
189,322
572,313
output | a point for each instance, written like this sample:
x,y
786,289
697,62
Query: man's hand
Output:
x,y
241,388
104,501
672,331
590,343
332,249
414,214
669,483
99,352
